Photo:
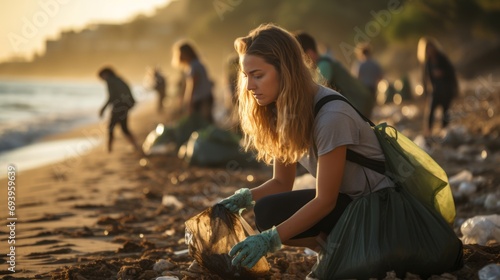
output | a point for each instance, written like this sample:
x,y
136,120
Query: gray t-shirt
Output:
x,y
203,88
338,124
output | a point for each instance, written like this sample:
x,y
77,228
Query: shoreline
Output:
x,y
56,148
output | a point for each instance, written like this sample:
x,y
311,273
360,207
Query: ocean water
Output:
x,y
30,110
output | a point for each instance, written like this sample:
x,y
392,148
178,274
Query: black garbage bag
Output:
x,y
210,236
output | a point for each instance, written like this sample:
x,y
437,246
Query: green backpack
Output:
x,y
407,165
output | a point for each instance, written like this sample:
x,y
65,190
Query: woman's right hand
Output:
x,y
241,199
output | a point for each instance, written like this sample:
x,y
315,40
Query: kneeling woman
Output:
x,y
277,95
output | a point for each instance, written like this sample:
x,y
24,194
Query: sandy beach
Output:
x,y
57,204
113,216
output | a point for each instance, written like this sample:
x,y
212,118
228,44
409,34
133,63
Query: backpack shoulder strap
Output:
x,y
332,97
352,156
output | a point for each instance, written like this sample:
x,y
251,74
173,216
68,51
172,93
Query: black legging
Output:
x,y
442,96
118,117
274,209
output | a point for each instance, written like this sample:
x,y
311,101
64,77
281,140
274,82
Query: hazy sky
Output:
x,y
26,24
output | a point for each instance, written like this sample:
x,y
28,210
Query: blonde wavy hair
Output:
x,y
281,130
423,44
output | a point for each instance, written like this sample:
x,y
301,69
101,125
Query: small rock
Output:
x,y
491,201
162,265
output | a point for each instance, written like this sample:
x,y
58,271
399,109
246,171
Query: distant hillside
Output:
x,y
391,27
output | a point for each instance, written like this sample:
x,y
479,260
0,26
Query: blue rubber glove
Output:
x,y
241,199
249,251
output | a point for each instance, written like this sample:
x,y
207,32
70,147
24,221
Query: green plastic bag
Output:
x,y
389,230
405,228
186,126
167,139
213,146
161,140
412,168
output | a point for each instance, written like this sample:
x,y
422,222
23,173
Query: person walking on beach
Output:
x,y
198,96
160,86
278,98
439,81
121,100
336,76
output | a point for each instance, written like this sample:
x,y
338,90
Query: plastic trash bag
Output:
x,y
213,146
389,230
187,125
408,165
168,139
413,169
210,236
160,141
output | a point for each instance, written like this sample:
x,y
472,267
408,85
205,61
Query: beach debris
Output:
x,y
463,184
309,252
148,274
462,176
162,265
466,188
194,270
492,201
169,232
181,252
130,247
457,135
481,229
151,194
128,272
170,200
489,272
167,278
422,143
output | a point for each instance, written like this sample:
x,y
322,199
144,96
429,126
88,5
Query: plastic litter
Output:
x,y
463,184
489,272
162,265
481,229
170,200
466,188
420,141
491,201
462,176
